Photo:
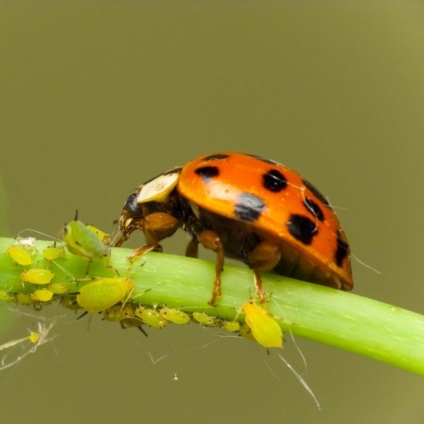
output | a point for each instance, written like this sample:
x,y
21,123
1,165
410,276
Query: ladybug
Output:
x,y
244,207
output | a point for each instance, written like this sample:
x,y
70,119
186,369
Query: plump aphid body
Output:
x,y
83,241
151,317
248,208
175,315
264,327
53,252
42,295
102,294
37,276
20,255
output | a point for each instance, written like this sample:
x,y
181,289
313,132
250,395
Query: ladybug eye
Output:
x,y
132,207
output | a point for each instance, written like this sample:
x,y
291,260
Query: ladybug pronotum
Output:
x,y
244,207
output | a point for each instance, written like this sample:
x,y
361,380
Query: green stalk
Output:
x,y
370,328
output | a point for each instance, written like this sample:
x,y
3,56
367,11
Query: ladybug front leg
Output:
x,y
156,227
192,250
210,240
264,257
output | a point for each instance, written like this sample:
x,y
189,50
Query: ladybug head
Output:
x,y
152,196
130,217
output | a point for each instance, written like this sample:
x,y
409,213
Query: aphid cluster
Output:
x,y
113,296
37,272
259,325
44,279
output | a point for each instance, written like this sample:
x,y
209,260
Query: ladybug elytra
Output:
x,y
247,208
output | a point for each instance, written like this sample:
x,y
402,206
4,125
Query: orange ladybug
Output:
x,y
244,207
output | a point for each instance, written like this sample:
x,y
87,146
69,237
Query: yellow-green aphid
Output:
x,y
125,315
231,326
205,319
151,317
53,252
265,328
119,312
19,255
246,332
58,288
42,295
175,315
70,302
24,298
37,276
83,242
113,313
6,296
105,238
104,293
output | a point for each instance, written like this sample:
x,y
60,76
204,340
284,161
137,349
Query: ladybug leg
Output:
x,y
264,257
210,240
144,249
192,250
156,227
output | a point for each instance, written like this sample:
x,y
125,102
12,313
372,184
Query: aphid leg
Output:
x,y
210,240
142,330
82,315
264,257
87,270
127,324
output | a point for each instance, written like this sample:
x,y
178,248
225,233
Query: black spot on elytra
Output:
x,y
274,181
313,208
342,250
316,192
302,228
216,156
207,172
269,161
249,207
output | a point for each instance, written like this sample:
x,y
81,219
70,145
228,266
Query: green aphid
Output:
x,y
37,276
19,255
102,294
42,295
53,252
151,317
231,326
84,242
175,315
205,319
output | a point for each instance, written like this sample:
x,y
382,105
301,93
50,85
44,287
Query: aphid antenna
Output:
x,y
115,236
40,233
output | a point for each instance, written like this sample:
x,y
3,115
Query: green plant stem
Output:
x,y
370,328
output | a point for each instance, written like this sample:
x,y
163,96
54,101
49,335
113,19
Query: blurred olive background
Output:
x,y
97,96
